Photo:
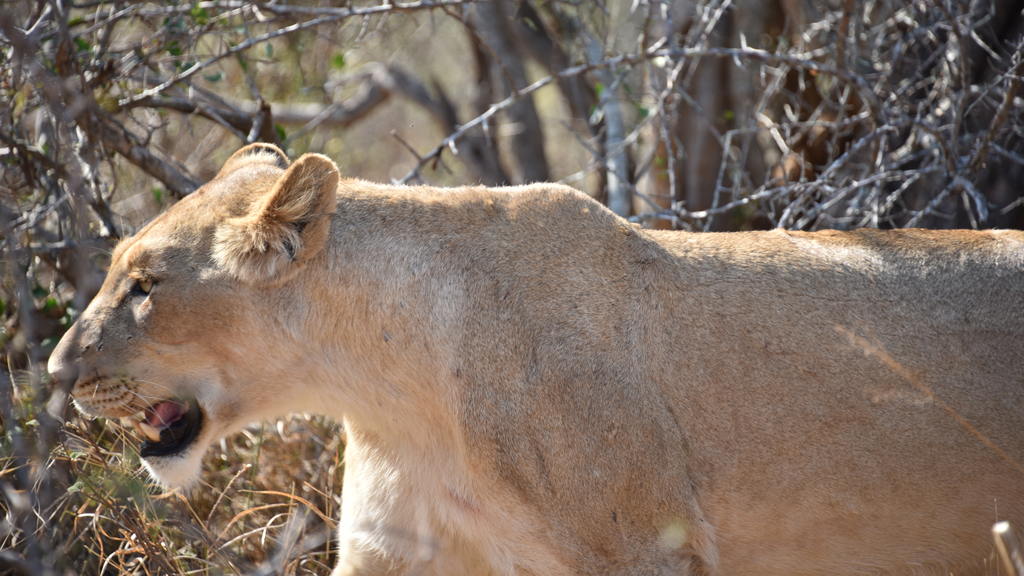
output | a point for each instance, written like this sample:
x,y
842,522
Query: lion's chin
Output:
x,y
175,458
179,470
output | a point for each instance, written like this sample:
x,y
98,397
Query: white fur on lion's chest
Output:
x,y
416,504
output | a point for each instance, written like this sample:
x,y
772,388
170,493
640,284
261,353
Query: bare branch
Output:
x,y
619,188
118,139
328,15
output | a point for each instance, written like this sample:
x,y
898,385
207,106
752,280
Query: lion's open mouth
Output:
x,y
168,427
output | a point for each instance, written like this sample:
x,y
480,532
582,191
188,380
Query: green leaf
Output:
x,y
642,111
338,61
49,304
20,100
175,24
82,44
67,319
48,345
598,89
280,132
214,77
824,82
173,48
728,115
199,15
270,50
187,551
78,486
108,102
131,457
158,194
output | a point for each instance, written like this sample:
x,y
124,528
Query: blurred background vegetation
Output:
x,y
710,115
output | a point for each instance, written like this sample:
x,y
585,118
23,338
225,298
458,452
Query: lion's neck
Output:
x,y
377,328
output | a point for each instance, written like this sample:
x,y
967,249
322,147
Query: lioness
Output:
x,y
530,385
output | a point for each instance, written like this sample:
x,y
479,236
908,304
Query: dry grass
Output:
x,y
267,502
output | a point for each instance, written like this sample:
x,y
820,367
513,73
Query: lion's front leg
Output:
x,y
373,538
354,560
378,532
390,524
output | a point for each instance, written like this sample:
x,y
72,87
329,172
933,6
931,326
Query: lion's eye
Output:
x,y
143,286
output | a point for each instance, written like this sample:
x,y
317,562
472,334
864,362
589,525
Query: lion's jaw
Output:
x,y
211,407
171,446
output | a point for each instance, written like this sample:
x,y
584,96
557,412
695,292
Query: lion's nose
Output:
x,y
64,363
64,372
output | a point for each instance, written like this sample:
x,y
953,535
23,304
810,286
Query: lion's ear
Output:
x,y
258,153
283,229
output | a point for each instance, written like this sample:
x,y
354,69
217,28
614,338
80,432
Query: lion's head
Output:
x,y
177,338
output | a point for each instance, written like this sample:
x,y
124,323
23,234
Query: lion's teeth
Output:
x,y
149,431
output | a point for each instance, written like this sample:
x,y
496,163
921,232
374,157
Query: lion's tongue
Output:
x,y
164,414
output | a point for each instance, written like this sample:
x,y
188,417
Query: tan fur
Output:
x,y
259,153
530,385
